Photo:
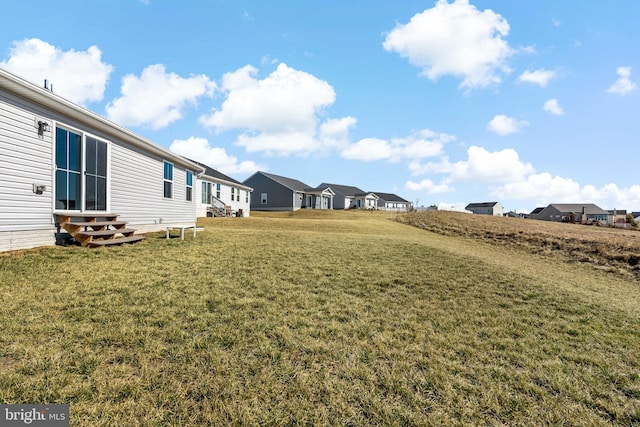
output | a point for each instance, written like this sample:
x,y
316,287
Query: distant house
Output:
x,y
636,215
348,197
573,212
485,208
514,214
220,195
64,166
392,202
278,193
617,217
534,213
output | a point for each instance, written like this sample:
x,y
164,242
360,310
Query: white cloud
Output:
x,y
504,125
540,77
551,106
481,166
428,186
156,98
419,145
79,76
455,39
623,85
545,188
200,150
280,114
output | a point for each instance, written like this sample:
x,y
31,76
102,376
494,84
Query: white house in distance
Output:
x,y
62,165
221,195
486,208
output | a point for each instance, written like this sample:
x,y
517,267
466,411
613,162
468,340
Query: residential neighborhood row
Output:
x,y
582,213
69,174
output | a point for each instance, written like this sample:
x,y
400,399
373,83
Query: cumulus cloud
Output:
x,y
156,98
280,114
481,165
504,125
428,186
199,149
79,76
540,77
545,188
551,106
624,84
419,145
455,39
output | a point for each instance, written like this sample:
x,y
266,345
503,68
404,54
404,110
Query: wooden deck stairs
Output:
x,y
96,230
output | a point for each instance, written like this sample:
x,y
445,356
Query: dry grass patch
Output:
x,y
335,319
609,249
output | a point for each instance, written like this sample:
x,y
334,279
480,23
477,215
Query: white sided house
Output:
x,y
221,195
62,164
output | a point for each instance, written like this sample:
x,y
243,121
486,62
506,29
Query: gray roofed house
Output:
x,y
392,202
573,212
486,208
61,161
220,195
349,197
278,193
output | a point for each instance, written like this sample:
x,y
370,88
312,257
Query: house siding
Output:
x,y
279,197
225,196
135,177
25,159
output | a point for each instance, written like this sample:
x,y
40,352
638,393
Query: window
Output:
x,y
189,186
206,193
80,171
218,190
168,180
233,192
246,198
263,198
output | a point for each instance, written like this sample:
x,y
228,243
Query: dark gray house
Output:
x,y
485,208
392,202
278,193
572,212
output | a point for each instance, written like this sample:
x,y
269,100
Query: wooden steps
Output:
x,y
97,230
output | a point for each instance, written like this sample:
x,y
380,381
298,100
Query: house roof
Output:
x,y
345,190
589,208
481,205
390,197
617,211
290,183
217,175
536,211
54,102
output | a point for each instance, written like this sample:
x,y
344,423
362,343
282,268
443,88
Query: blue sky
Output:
x,y
525,102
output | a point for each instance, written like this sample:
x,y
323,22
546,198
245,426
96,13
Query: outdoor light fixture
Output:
x,y
42,127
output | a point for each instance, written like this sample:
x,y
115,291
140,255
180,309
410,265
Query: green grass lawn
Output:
x,y
318,318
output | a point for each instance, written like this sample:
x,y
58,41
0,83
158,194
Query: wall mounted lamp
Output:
x,y
42,127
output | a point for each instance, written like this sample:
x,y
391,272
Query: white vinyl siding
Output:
x,y
26,159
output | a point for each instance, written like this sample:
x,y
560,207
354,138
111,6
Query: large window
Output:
x,y
206,193
95,175
233,193
189,186
218,190
246,197
68,170
263,198
81,172
168,180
